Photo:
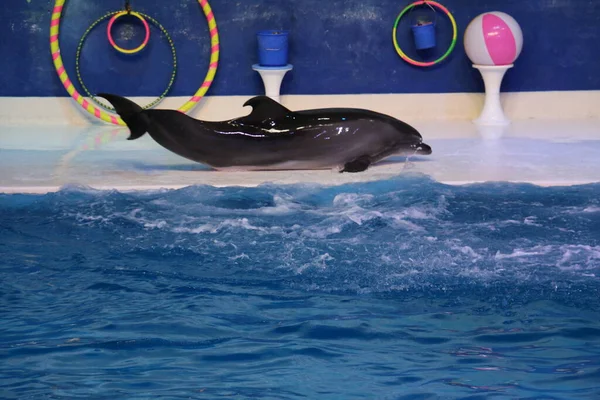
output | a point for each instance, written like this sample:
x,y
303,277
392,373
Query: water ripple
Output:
x,y
404,289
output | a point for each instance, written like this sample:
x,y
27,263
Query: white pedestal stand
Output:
x,y
272,78
492,113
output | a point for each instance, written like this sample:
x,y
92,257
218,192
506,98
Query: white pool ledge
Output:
x,y
542,152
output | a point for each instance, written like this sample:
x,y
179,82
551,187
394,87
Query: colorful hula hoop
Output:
x,y
454,36
111,118
80,48
120,14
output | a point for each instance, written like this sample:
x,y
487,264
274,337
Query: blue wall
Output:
x,y
337,46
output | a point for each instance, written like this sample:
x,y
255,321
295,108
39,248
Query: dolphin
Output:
x,y
272,137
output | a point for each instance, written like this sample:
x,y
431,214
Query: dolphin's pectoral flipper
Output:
x,y
359,164
131,113
263,108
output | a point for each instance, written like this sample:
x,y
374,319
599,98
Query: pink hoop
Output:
x,y
111,40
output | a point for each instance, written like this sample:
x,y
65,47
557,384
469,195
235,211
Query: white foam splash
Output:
x,y
319,262
519,253
242,223
352,199
284,205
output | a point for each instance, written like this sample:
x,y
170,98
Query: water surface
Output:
x,y
398,289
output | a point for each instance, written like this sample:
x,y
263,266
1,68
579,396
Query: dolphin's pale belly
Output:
x,y
286,165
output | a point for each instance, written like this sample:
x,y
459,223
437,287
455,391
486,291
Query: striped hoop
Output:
x,y
112,42
111,118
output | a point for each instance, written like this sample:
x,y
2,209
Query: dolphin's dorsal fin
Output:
x,y
264,108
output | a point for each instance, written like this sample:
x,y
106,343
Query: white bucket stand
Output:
x,y
272,78
492,113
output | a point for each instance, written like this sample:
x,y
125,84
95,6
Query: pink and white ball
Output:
x,y
493,38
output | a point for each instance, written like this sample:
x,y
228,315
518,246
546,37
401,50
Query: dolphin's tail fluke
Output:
x,y
131,113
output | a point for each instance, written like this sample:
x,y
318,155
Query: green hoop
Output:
x,y
80,47
454,33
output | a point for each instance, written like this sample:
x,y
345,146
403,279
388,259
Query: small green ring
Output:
x,y
80,47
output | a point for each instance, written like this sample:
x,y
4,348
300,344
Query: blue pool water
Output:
x,y
398,289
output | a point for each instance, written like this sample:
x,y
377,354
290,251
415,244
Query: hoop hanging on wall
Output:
x,y
454,35
139,16
113,14
114,119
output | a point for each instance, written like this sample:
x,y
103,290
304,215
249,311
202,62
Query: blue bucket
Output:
x,y
424,36
272,48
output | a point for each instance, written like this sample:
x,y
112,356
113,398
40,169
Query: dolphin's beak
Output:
x,y
424,149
